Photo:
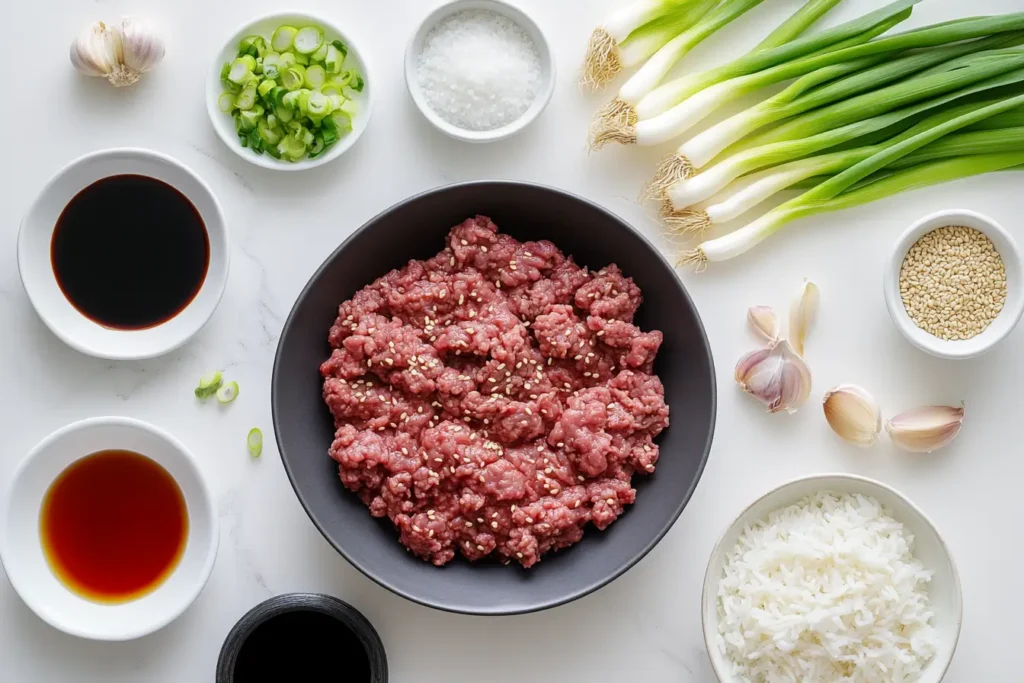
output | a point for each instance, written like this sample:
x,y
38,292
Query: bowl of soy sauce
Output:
x,y
302,637
124,254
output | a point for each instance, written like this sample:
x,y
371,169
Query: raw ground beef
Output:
x,y
493,399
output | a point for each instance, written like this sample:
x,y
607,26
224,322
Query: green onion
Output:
x,y
655,69
254,441
246,99
845,121
333,60
794,27
618,120
321,53
228,392
226,102
283,38
749,191
208,384
294,77
829,195
635,32
315,77
703,148
239,71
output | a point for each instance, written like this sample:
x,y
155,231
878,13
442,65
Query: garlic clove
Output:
x,y
923,430
763,320
853,414
143,48
803,314
777,377
96,51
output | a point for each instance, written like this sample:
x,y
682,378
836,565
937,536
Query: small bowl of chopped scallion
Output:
x,y
289,91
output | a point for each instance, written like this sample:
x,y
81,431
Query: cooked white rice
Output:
x,y
825,590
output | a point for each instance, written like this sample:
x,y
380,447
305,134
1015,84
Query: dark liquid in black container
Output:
x,y
130,252
302,646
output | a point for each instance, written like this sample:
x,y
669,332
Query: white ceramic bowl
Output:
x,y
517,15
224,124
41,286
22,554
929,548
1004,322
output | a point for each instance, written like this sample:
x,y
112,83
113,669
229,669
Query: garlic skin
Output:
x,y
764,322
802,314
777,377
121,54
96,51
923,430
853,414
141,44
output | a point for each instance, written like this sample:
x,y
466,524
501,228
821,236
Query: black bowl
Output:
x,y
416,229
278,605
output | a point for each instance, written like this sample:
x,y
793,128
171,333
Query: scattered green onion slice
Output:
x,y
255,442
227,392
208,384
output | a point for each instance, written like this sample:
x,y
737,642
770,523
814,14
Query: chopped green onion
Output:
x,y
227,392
333,60
308,40
208,384
315,76
252,45
226,102
294,77
254,441
281,94
283,38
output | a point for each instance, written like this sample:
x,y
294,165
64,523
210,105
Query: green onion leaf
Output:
x,y
208,384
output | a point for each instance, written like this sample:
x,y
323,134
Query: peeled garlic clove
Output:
x,y
764,321
923,430
142,46
802,314
777,377
97,50
853,414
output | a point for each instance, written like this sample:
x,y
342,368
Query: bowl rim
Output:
x,y
518,15
219,286
266,161
709,597
205,500
1013,308
579,593
284,603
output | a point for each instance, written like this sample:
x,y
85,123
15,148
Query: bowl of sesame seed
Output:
x,y
954,284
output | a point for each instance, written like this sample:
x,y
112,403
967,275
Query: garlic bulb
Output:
x,y
762,320
923,430
118,53
853,414
777,376
143,48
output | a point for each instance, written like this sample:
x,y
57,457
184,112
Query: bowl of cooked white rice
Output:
x,y
831,577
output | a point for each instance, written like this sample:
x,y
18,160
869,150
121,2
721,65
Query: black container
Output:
x,y
280,605
416,228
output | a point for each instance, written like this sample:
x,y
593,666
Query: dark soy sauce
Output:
x,y
302,646
130,252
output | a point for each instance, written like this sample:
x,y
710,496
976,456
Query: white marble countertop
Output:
x,y
645,624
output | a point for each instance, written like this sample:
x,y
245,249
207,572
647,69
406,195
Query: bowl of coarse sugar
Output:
x,y
954,284
479,70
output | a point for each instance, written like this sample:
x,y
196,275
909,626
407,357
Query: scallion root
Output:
x,y
695,258
616,122
688,223
601,63
671,170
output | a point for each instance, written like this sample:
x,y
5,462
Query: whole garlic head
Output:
x,y
118,53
